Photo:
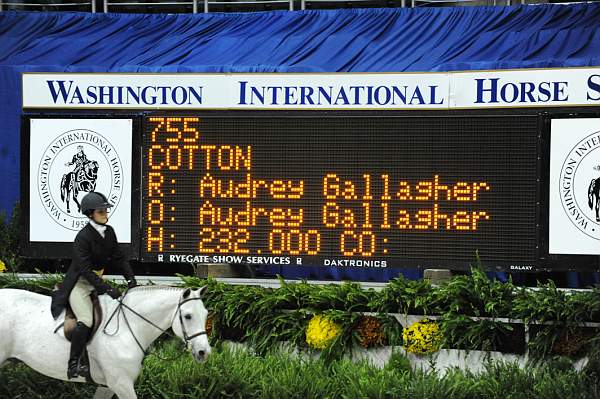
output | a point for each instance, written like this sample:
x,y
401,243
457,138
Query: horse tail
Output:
x,y
591,193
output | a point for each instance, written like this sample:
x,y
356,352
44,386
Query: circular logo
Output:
x,y
76,162
579,187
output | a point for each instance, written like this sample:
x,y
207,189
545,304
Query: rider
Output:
x,y
78,160
95,248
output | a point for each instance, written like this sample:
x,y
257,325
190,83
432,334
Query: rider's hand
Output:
x,y
114,293
131,283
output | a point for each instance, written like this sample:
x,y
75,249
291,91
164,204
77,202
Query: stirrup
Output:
x,y
83,370
73,370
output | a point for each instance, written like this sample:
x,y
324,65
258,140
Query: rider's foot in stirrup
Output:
x,y
83,370
73,370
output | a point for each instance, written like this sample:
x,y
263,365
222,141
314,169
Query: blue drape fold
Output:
x,y
354,40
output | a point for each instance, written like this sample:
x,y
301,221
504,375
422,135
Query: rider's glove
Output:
x,y
131,283
114,293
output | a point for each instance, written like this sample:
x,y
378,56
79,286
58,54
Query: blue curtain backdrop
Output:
x,y
355,40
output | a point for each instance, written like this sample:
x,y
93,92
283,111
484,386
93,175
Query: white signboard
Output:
x,y
525,88
326,91
575,186
69,158
236,91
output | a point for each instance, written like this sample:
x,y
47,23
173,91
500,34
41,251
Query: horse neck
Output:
x,y
156,305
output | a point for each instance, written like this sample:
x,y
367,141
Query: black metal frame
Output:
x,y
550,262
63,250
546,262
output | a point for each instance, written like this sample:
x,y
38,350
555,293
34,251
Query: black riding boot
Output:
x,y
78,341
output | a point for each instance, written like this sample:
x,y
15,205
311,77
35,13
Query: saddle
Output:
x,y
71,321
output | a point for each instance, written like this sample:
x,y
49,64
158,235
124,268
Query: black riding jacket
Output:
x,y
91,252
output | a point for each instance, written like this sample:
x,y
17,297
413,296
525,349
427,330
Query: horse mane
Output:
x,y
144,288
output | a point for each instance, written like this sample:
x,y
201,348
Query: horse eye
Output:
x,y
188,317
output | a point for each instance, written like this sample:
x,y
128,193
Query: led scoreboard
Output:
x,y
349,191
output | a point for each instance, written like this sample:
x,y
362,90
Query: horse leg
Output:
x,y
122,387
66,187
103,393
68,201
75,194
597,206
4,350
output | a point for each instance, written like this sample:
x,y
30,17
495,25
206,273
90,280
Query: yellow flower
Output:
x,y
422,337
2,267
321,332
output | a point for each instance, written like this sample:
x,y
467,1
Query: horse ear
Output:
x,y
201,291
186,293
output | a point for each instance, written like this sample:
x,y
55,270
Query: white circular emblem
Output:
x,y
76,162
579,187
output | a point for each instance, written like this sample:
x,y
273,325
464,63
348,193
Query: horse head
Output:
x,y
190,323
91,170
87,177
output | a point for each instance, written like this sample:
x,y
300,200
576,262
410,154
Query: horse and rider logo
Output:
x,y
579,187
594,194
82,178
76,162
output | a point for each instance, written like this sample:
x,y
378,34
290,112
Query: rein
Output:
x,y
119,310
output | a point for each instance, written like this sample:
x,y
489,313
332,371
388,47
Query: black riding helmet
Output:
x,y
92,201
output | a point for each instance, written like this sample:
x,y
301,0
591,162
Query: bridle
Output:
x,y
187,338
119,309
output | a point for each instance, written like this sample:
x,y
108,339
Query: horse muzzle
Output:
x,y
201,355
